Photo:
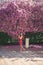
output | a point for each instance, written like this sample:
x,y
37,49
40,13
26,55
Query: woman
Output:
x,y
21,42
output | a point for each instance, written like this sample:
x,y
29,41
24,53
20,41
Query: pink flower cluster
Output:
x,y
20,17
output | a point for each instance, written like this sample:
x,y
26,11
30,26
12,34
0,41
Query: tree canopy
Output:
x,y
17,17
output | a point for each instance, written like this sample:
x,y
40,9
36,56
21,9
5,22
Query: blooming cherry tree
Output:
x,y
20,17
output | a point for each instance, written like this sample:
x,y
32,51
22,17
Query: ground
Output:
x,y
10,55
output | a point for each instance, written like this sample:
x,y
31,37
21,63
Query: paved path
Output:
x,y
10,55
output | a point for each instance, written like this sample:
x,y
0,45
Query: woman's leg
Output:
x,y
22,48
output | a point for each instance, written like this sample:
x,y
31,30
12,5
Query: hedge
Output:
x,y
5,39
36,37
